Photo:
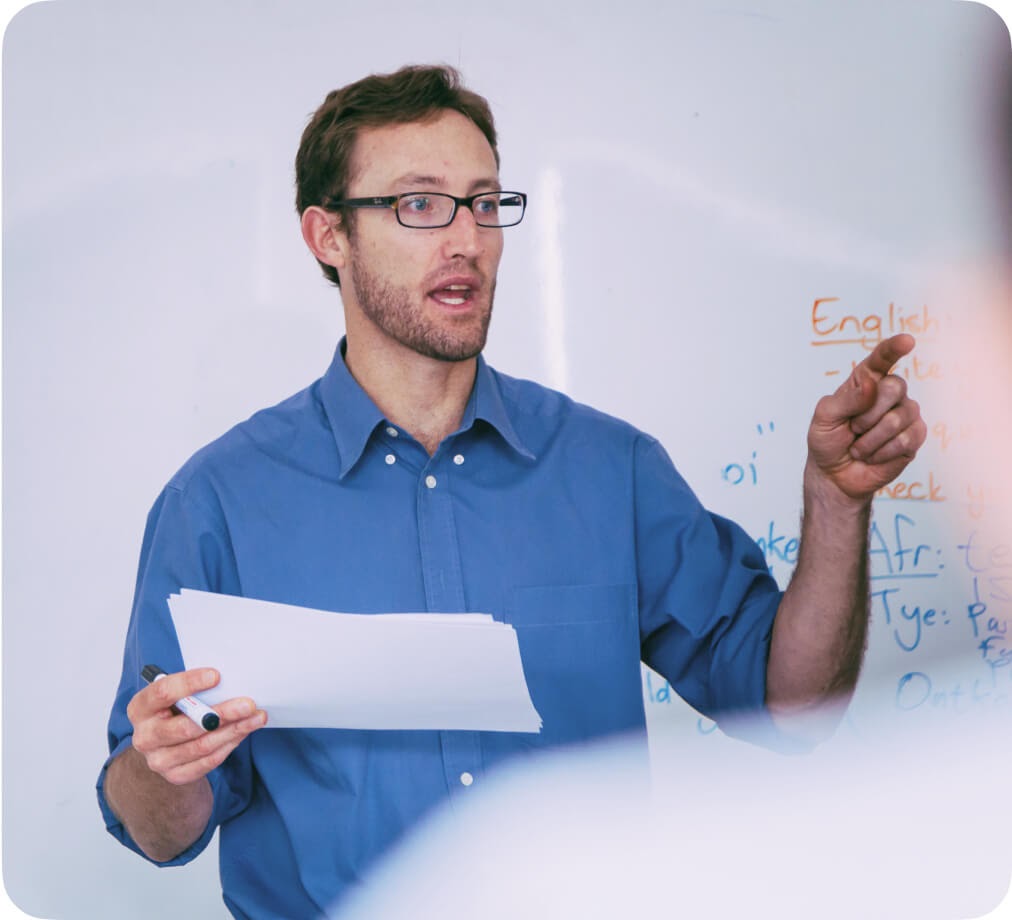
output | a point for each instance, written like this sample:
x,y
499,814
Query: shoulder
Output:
x,y
561,430
293,428
540,412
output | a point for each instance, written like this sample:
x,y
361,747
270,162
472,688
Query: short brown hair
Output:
x,y
414,93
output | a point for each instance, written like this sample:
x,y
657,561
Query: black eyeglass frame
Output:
x,y
392,202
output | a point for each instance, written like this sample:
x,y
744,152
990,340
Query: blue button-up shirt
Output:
x,y
569,524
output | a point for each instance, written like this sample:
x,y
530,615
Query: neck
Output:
x,y
424,396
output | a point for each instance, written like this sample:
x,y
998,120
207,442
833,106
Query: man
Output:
x,y
414,477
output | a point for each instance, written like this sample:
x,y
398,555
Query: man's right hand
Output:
x,y
175,747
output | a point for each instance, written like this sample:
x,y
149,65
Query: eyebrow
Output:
x,y
420,180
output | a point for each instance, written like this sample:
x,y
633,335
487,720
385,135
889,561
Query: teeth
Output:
x,y
444,296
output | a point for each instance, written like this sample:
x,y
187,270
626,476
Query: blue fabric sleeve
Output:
x,y
185,545
707,600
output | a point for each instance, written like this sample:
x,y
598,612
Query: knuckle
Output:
x,y
205,745
179,776
147,735
823,408
895,385
204,765
158,761
160,694
215,759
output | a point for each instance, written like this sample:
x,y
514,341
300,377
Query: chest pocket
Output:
x,y
581,656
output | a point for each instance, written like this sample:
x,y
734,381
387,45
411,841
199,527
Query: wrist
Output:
x,y
821,493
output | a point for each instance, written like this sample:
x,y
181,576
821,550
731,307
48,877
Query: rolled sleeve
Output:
x,y
227,803
707,600
185,545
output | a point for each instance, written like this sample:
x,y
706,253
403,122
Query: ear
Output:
x,y
323,235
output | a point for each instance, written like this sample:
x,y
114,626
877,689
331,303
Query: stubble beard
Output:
x,y
390,308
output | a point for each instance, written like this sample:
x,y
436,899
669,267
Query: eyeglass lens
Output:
x,y
496,209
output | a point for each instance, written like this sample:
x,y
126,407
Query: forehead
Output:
x,y
448,149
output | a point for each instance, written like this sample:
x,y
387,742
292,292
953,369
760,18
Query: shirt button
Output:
x,y
390,459
459,459
466,779
391,431
430,481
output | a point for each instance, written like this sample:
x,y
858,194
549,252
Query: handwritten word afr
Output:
x,y
897,552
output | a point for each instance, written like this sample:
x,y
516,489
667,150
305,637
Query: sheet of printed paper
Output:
x,y
318,669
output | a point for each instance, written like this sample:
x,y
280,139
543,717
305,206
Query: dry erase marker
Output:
x,y
190,706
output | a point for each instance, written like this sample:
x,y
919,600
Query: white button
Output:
x,y
459,459
466,779
430,481
391,459
391,431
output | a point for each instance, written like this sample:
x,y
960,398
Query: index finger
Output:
x,y
882,360
166,691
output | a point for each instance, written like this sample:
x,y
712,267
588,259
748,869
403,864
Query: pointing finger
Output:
x,y
882,360
861,393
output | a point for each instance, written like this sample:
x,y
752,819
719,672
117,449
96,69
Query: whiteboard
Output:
x,y
724,197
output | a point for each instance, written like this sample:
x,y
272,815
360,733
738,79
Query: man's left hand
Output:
x,y
863,435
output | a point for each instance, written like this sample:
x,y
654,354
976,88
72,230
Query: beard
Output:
x,y
389,307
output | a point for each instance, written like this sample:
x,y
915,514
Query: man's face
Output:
x,y
427,290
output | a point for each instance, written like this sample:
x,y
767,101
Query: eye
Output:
x,y
417,204
487,206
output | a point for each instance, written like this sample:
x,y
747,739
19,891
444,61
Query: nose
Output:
x,y
463,236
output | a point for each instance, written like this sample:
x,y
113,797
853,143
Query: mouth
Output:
x,y
456,292
453,295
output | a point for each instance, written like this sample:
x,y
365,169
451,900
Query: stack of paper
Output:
x,y
316,669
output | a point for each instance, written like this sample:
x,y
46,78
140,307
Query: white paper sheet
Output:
x,y
317,669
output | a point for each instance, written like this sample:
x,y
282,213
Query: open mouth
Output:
x,y
453,295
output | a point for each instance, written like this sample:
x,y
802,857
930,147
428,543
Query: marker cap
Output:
x,y
150,671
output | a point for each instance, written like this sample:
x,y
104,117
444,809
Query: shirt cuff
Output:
x,y
119,831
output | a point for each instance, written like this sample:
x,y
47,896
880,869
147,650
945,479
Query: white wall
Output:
x,y
699,174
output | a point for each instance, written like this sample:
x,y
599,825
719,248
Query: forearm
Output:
x,y
821,625
164,819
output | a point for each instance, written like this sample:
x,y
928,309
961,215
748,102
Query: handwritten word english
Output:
x,y
833,325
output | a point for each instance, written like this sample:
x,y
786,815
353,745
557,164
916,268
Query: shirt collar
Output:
x,y
353,416
486,403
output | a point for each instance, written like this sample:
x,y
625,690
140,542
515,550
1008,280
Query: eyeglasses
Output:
x,y
431,210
